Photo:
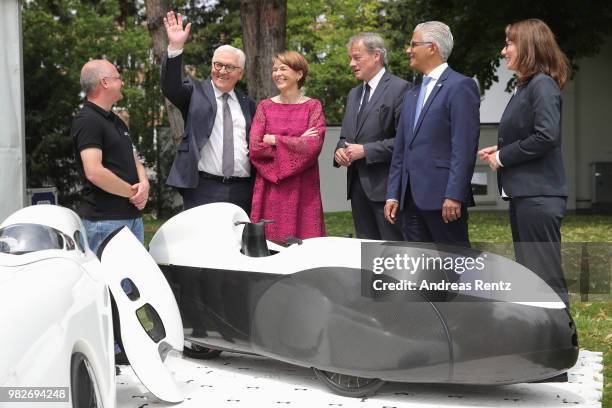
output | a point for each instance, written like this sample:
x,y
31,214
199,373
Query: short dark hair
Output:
x,y
295,61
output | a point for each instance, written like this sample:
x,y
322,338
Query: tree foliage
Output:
x,y
478,27
59,36
264,28
321,28
212,25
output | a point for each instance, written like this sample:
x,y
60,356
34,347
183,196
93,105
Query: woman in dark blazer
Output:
x,y
528,157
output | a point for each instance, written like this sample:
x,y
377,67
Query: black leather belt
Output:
x,y
224,180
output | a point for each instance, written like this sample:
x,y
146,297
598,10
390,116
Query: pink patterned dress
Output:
x,y
287,186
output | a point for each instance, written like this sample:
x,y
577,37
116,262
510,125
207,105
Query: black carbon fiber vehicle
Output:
x,y
322,303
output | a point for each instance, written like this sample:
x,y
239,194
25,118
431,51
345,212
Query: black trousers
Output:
x,y
369,216
208,191
428,225
536,232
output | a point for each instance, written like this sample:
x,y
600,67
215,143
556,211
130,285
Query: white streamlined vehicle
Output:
x,y
56,311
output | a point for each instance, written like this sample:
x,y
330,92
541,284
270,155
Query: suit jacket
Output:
x,y
196,101
435,160
375,130
529,141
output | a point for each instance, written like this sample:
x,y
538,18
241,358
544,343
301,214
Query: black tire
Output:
x,y
199,352
82,388
348,385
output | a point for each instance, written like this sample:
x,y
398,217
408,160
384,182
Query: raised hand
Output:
x,y
177,35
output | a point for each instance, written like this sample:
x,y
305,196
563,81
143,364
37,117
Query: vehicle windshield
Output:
x,y
23,238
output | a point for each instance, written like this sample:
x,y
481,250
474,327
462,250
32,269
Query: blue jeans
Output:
x,y
98,230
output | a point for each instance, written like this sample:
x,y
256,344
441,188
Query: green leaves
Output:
x,y
58,38
320,30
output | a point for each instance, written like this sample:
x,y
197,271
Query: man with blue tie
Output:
x,y
435,146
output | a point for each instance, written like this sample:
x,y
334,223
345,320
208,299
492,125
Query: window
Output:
x,y
24,238
151,322
480,182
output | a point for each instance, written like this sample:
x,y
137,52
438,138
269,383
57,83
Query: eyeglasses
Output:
x,y
228,68
414,44
113,77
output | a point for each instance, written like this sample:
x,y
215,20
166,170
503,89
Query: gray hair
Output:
x,y
373,42
439,34
91,74
234,50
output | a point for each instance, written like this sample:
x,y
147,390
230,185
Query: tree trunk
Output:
x,y
155,11
264,29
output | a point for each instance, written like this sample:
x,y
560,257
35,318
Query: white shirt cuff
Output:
x,y
497,159
174,53
392,200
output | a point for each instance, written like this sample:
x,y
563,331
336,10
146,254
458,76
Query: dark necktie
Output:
x,y
364,101
227,160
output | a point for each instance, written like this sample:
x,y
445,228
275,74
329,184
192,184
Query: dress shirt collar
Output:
x,y
218,93
436,73
375,80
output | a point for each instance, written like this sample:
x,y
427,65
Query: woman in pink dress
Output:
x,y
285,141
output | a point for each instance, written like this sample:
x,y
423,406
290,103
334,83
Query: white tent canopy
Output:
x,y
12,140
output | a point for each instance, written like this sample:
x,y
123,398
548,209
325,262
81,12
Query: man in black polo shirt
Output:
x,y
116,187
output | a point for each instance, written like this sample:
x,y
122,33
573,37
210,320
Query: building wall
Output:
x,y
12,141
333,180
586,132
592,112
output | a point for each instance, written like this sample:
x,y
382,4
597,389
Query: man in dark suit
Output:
x,y
211,162
368,131
436,143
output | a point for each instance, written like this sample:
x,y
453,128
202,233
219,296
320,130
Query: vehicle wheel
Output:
x,y
84,391
348,385
199,352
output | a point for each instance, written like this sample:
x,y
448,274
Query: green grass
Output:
x,y
493,226
593,317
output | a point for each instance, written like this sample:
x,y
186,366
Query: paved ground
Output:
x,y
235,380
